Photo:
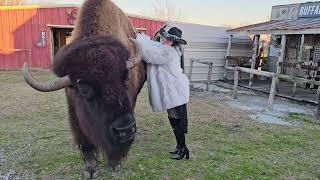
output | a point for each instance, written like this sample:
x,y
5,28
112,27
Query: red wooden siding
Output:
x,y
20,29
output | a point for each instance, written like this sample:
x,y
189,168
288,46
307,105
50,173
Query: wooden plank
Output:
x,y
272,93
235,84
35,38
42,26
28,34
254,57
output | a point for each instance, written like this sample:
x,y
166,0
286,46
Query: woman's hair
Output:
x,y
175,43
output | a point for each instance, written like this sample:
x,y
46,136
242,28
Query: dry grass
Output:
x,y
224,143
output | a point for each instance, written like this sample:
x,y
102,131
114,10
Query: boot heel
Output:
x,y
187,155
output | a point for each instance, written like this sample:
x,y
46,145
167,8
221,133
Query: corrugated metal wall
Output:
x,y
21,27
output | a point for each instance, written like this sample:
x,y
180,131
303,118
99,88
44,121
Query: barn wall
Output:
x,y
20,33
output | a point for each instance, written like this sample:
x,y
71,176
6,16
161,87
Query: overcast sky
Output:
x,y
210,12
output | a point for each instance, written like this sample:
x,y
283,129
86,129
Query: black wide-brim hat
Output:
x,y
174,34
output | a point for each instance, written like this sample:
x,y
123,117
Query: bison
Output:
x,y
102,73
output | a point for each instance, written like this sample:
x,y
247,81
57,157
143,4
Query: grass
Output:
x,y
225,144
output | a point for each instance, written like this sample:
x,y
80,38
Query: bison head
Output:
x,y
94,71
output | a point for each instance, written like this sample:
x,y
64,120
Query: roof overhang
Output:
x,y
60,26
298,26
275,32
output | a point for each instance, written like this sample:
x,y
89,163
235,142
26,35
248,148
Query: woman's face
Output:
x,y
166,41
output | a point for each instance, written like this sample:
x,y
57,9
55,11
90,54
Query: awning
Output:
x,y
297,26
72,26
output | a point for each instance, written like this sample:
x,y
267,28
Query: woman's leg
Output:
x,y
179,122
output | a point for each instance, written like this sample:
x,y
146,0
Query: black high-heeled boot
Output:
x,y
174,124
184,151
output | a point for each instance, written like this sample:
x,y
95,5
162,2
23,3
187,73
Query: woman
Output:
x,y
168,86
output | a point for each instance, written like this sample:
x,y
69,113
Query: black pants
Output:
x,y
180,116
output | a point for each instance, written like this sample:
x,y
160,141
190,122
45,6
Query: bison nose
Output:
x,y
124,128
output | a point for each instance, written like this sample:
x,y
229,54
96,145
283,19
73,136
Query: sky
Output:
x,y
230,13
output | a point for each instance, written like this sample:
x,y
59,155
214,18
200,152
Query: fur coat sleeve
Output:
x,y
168,86
154,52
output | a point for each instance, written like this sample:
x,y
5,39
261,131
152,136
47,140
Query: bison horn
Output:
x,y
45,87
133,61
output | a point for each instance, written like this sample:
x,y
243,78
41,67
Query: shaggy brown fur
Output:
x,y
104,91
103,17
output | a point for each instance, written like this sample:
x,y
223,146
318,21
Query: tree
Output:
x,y
163,9
11,2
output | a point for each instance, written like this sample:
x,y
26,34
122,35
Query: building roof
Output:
x,y
298,26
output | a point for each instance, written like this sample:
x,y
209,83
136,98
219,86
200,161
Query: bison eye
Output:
x,y
85,90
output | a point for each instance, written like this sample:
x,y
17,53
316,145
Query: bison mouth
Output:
x,y
123,133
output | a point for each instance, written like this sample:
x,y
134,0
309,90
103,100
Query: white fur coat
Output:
x,y
168,86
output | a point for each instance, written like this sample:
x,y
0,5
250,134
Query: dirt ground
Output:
x,y
254,103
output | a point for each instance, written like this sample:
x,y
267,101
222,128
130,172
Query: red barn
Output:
x,y
35,33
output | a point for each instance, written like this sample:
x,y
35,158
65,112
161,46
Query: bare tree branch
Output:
x,y
11,2
163,9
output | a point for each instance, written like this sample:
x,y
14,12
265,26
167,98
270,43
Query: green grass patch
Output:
x,y
225,144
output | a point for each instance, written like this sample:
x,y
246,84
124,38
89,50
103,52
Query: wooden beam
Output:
x,y
256,72
228,54
254,57
235,84
230,68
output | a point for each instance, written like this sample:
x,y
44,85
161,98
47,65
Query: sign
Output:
x,y
42,40
309,10
72,15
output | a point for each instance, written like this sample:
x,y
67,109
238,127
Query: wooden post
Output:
x,y
272,93
235,84
283,49
254,57
318,92
209,76
294,89
301,48
318,101
190,69
299,60
282,56
228,54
